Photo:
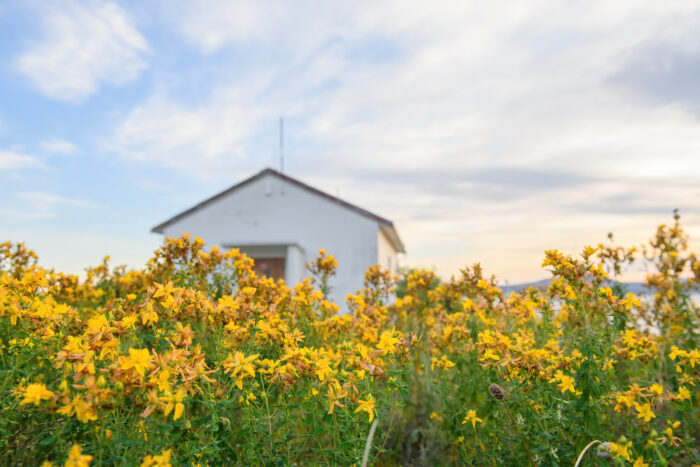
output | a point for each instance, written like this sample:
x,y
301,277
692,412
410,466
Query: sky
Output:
x,y
485,133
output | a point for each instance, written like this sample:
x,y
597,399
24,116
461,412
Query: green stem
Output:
x,y
519,433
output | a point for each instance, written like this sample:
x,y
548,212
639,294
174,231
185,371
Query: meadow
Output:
x,y
195,360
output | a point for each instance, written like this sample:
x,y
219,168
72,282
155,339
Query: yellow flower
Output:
x,y
598,269
175,402
683,394
84,411
387,342
566,383
607,293
644,412
323,369
149,316
367,406
623,401
589,250
640,462
694,357
35,393
471,417
675,352
139,359
128,322
335,393
240,367
76,458
442,363
620,450
161,460
657,389
631,301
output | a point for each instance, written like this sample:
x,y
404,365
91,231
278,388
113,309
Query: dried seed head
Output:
x,y
496,391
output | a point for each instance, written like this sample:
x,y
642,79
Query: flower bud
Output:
x,y
496,391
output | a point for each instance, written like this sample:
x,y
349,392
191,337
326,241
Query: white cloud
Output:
x,y
85,44
59,146
463,84
426,94
42,205
13,160
39,205
198,140
210,24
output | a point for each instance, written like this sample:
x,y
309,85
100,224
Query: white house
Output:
x,y
281,223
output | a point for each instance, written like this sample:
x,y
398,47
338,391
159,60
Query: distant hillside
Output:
x,y
634,287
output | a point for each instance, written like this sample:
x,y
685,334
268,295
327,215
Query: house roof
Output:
x,y
386,226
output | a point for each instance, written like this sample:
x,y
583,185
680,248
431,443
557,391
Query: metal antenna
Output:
x,y
281,144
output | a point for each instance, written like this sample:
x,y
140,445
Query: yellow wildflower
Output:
x,y
490,355
139,359
84,411
471,417
623,401
631,301
335,393
683,394
620,450
35,393
77,458
676,352
694,357
161,460
367,406
566,383
175,402
240,367
644,412
323,369
387,342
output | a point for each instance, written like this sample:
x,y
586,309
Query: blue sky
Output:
x,y
486,134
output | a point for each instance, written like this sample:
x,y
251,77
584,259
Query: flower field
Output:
x,y
195,360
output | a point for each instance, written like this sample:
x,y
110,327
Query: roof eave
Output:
x,y
393,237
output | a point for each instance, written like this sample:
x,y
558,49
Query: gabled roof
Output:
x,y
386,226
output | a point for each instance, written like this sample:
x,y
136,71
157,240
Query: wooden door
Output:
x,y
270,267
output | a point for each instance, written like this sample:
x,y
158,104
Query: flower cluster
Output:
x,y
198,360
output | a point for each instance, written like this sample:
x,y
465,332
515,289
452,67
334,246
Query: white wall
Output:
x,y
386,254
295,266
273,211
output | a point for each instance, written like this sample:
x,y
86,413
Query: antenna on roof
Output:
x,y
281,144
